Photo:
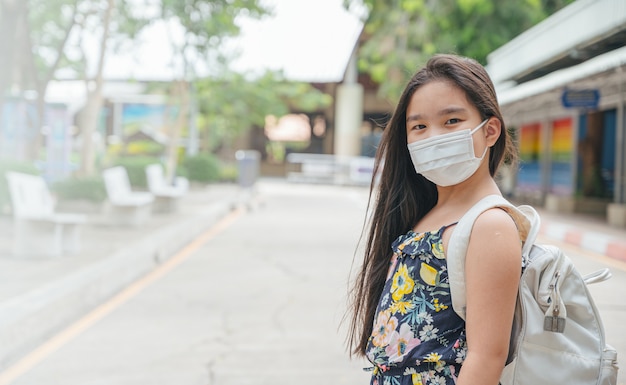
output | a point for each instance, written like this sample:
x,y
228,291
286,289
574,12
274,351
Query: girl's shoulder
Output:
x,y
494,219
495,232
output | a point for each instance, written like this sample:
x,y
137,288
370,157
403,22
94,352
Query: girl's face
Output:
x,y
439,107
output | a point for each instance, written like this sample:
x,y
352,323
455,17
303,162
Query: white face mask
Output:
x,y
446,159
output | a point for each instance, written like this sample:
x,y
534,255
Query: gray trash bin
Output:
x,y
248,163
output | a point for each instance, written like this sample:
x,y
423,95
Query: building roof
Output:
x,y
561,78
578,32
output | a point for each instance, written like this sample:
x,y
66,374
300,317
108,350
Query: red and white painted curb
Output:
x,y
611,246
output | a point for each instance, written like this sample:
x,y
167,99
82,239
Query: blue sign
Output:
x,y
581,98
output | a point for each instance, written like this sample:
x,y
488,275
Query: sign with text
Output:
x,y
580,98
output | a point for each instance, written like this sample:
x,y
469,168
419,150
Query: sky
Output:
x,y
310,40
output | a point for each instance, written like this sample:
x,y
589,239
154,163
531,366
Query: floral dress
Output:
x,y
417,337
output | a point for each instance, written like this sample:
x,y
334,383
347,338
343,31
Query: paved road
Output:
x,y
261,303
258,300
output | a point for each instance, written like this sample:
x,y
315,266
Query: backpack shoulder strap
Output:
x,y
528,223
526,220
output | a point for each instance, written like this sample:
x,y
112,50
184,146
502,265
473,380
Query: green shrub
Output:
x,y
229,173
90,189
136,168
144,147
12,165
202,168
181,170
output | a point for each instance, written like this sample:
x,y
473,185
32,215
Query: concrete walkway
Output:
x,y
260,302
585,231
40,296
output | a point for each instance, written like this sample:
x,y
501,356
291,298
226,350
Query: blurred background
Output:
x,y
130,127
87,85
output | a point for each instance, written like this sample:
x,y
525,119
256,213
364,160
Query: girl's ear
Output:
x,y
493,129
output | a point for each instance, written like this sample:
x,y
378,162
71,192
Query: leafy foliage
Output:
x,y
234,103
57,28
202,168
206,23
228,103
136,168
402,34
89,189
144,147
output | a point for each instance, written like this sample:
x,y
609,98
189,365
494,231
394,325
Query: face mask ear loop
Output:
x,y
484,152
479,126
476,129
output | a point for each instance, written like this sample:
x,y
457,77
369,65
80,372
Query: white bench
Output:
x,y
166,195
126,207
39,230
328,168
312,168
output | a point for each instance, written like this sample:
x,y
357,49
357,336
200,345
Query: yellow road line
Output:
x,y
40,353
601,258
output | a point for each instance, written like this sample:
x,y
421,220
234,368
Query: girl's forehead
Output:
x,y
436,96
439,89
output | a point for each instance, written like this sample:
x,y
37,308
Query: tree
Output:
x,y
12,36
233,103
113,22
89,119
55,34
205,24
12,17
52,39
47,35
400,35
41,44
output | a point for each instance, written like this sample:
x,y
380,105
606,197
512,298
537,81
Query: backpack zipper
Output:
x,y
554,323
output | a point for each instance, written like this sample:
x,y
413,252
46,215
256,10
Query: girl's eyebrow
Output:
x,y
443,112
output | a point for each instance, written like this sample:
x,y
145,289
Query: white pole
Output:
x,y
349,113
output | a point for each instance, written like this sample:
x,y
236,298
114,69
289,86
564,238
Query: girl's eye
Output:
x,y
419,127
453,121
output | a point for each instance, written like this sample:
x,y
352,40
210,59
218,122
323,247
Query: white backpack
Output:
x,y
557,336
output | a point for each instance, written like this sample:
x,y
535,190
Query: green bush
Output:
x,y
229,173
136,168
12,165
202,168
181,170
145,148
90,189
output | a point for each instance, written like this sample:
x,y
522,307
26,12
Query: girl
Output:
x,y
440,153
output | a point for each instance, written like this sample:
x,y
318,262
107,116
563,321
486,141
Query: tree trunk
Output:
x,y
12,13
180,93
41,81
89,118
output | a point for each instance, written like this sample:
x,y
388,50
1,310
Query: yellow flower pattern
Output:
x,y
428,274
439,307
402,283
401,307
437,249
432,357
417,339
418,237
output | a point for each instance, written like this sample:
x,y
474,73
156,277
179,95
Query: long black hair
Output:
x,y
401,197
